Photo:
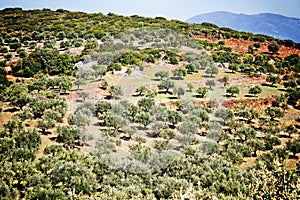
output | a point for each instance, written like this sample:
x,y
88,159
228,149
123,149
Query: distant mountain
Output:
x,y
275,25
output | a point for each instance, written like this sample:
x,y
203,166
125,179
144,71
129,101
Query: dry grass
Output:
x,y
4,118
248,162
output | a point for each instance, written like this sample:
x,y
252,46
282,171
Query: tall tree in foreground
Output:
x,y
18,95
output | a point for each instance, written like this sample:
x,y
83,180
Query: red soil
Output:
x,y
251,103
241,46
248,80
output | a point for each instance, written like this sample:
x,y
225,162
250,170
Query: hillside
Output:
x,y
97,106
275,25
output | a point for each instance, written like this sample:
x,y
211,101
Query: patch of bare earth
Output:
x,y
241,46
251,103
248,80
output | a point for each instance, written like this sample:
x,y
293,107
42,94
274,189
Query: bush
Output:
x,y
273,48
271,141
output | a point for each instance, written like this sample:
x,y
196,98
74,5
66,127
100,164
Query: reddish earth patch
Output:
x,y
241,46
248,80
251,103
11,78
70,96
4,120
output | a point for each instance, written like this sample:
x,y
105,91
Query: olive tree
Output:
x,y
173,117
273,48
245,133
233,90
162,74
273,79
166,84
116,91
179,92
212,70
202,91
274,112
255,90
210,83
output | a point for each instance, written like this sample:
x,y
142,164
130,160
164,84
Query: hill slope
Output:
x,y
275,25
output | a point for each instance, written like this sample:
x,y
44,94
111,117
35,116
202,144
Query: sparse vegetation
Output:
x,y
97,107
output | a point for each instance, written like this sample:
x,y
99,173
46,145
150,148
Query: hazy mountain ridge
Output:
x,y
275,25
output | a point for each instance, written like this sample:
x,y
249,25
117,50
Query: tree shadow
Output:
x,y
171,126
203,133
284,136
293,157
11,110
85,144
53,138
108,97
258,128
99,123
269,85
282,89
76,90
179,148
126,137
208,76
155,79
260,137
249,95
152,134
102,88
228,96
176,78
45,132
164,92
64,93
141,128
198,96
78,144
137,95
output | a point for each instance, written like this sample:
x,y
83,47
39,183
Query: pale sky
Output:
x,y
171,9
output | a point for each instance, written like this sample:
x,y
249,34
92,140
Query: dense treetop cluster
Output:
x,y
184,143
